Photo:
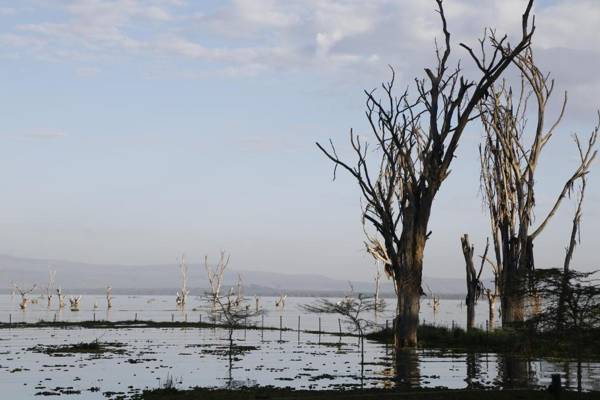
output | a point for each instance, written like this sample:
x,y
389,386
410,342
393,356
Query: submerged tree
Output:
x,y
109,297
232,311
416,137
50,287
183,293
474,285
215,275
23,293
352,308
509,159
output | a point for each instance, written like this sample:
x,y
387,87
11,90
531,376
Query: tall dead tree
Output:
x,y
50,287
184,291
215,275
474,285
416,137
509,159
23,293
109,297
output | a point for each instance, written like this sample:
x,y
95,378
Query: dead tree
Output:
x,y
377,279
492,295
509,159
50,287
61,298
183,292
474,285
23,293
75,301
109,297
215,276
416,137
280,302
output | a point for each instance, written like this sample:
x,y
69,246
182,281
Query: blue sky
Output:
x,y
133,131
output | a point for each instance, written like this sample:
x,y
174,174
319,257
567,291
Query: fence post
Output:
x,y
200,319
10,319
262,322
135,318
172,317
340,326
280,322
319,325
94,317
185,317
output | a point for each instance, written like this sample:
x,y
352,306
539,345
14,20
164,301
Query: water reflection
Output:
x,y
406,364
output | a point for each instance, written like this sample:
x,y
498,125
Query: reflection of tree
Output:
x,y
232,311
513,371
407,368
352,309
473,370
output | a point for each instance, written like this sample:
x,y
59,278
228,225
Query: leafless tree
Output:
x,y
474,285
50,287
109,297
280,302
215,275
75,302
61,298
352,308
183,292
416,138
23,293
377,279
492,295
509,159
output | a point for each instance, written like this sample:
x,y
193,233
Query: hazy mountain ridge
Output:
x,y
165,278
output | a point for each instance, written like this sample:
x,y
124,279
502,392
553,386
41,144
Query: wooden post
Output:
x,y
10,319
172,317
340,326
262,322
298,323
185,317
55,317
200,319
387,324
135,318
280,322
94,317
319,325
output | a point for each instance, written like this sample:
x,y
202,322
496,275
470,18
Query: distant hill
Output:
x,y
163,278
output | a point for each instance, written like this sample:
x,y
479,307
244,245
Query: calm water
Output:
x,y
162,308
201,357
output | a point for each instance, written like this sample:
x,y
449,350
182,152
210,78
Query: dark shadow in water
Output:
x,y
407,371
514,372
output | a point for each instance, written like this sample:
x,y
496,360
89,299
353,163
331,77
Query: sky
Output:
x,y
133,131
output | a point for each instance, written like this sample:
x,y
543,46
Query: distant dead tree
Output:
x,y
280,302
215,275
435,302
50,287
61,298
416,137
75,302
509,159
492,295
183,292
109,297
377,279
23,293
474,285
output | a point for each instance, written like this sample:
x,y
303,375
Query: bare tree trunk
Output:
x,y
491,309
